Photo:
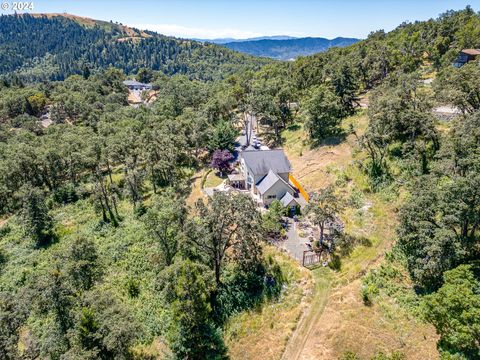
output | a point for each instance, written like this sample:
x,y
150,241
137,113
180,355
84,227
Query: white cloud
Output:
x,y
200,33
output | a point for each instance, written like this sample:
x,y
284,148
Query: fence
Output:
x,y
311,258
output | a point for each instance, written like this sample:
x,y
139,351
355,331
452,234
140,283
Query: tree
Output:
x,y
346,87
13,314
53,297
223,137
439,223
164,221
37,222
459,87
400,112
81,263
272,219
104,329
323,209
439,227
454,310
221,160
145,75
37,103
375,141
228,227
192,334
323,113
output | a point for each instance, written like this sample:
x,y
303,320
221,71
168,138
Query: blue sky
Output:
x,y
249,18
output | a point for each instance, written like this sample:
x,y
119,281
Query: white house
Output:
x,y
266,174
135,85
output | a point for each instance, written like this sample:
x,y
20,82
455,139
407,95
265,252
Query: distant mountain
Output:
x,y
287,49
40,47
222,41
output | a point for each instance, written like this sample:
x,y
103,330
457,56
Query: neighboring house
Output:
x,y
266,173
465,56
135,85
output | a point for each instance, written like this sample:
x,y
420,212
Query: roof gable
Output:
x,y
473,52
260,162
288,198
268,181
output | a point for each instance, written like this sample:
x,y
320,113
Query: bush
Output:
x,y
356,199
140,210
349,355
367,292
5,230
133,288
65,194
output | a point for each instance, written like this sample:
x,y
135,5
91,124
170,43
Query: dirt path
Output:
x,y
307,339
307,323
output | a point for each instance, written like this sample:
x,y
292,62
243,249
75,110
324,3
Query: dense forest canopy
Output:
x,y
100,253
54,47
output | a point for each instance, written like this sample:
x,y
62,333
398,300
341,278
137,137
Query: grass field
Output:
x,y
213,180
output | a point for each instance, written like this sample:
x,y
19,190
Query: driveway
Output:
x,y
294,244
241,141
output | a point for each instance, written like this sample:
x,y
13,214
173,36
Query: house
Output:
x,y
135,85
266,175
465,56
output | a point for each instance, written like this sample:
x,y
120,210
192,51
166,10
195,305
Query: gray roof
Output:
x,y
287,199
268,181
260,162
135,83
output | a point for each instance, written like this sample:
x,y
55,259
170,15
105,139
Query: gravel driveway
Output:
x,y
294,244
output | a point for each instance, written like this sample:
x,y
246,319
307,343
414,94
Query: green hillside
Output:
x,y
55,46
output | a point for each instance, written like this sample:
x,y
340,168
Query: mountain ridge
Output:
x,y
221,41
289,49
54,46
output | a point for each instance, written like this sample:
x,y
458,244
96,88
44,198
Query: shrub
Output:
x,y
65,194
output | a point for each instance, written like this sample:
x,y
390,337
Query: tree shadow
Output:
x,y
335,262
270,139
348,242
332,140
293,127
47,240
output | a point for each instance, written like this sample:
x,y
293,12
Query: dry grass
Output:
x,y
263,333
315,167
340,321
88,22
347,324
196,192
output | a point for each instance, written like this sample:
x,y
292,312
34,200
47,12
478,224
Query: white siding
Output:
x,y
276,192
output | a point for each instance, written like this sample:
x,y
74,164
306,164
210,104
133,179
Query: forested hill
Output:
x,y
287,49
52,47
